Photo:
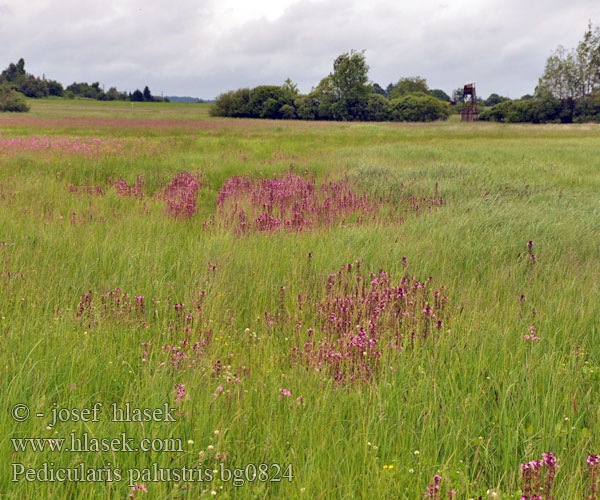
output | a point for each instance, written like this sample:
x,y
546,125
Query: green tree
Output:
x,y
34,87
287,112
83,89
587,109
223,105
113,95
377,108
572,74
137,96
147,94
270,109
378,89
55,88
290,91
240,103
440,94
560,75
324,97
494,99
409,85
307,107
15,73
266,100
350,87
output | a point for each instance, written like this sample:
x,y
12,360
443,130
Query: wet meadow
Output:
x,y
327,310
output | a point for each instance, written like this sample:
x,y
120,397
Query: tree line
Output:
x,y
345,94
15,83
567,92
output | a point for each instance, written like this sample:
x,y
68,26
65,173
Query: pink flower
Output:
x,y
549,459
180,391
138,487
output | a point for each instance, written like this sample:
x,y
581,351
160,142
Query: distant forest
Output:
x,y
15,78
567,92
187,99
344,95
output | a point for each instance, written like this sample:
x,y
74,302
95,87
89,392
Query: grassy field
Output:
x,y
266,351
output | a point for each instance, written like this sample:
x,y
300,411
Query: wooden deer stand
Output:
x,y
469,110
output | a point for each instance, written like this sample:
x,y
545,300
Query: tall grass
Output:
x,y
471,404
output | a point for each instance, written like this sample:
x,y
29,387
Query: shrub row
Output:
x,y
545,110
270,101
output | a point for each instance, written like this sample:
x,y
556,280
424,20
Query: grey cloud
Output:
x,y
179,48
502,45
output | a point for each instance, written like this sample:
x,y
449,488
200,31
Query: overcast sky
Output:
x,y
204,47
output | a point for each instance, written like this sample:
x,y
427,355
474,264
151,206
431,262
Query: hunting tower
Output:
x,y
469,110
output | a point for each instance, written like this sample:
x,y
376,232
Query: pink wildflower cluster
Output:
x,y
185,353
532,334
433,490
129,190
180,393
181,194
114,304
363,317
86,189
85,217
87,146
291,202
414,203
538,477
137,487
229,376
12,275
284,392
228,373
532,257
190,325
218,391
593,462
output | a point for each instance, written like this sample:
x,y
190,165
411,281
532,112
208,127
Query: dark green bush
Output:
x,y
307,107
377,108
287,112
13,101
418,107
545,109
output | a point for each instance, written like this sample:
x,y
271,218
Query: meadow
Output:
x,y
396,310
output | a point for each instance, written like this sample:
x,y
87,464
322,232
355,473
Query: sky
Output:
x,y
201,48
